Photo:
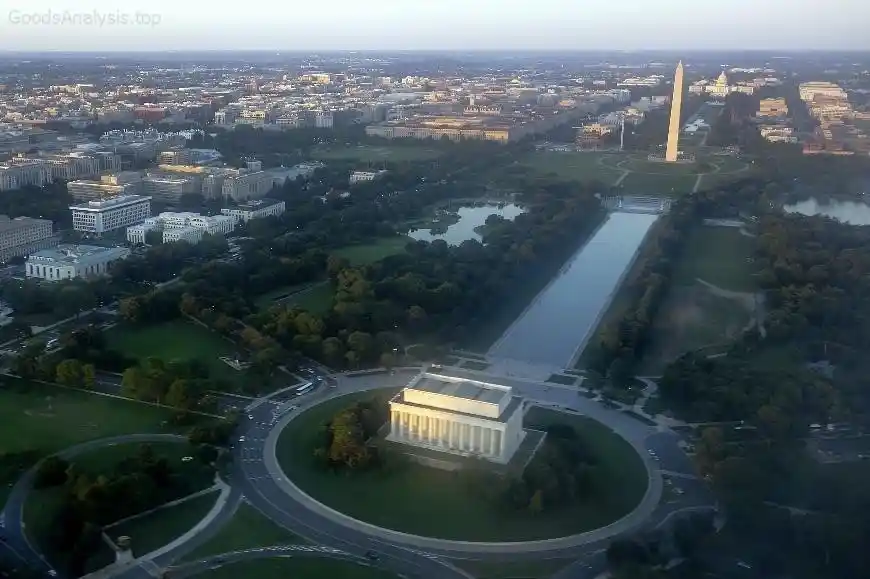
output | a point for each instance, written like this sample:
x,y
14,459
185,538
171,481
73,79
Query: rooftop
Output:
x,y
110,202
465,390
72,254
256,204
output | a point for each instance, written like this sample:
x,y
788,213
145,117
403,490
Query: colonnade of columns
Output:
x,y
446,434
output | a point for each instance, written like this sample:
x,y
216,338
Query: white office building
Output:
x,y
255,210
98,217
458,416
73,261
182,226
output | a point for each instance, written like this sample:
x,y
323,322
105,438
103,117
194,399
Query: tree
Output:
x,y
177,395
133,383
51,472
89,375
536,503
69,373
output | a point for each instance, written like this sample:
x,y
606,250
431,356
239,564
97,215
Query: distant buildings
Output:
x,y
72,261
773,108
362,176
182,226
41,170
24,235
255,210
98,217
720,87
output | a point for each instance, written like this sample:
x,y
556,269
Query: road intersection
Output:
x,y
257,479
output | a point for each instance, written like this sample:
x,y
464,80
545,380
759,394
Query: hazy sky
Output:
x,y
433,24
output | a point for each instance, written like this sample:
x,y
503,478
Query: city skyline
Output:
x,y
448,24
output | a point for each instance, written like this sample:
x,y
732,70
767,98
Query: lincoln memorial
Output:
x,y
458,416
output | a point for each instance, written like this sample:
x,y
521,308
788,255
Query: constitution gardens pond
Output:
x,y
465,222
851,212
408,497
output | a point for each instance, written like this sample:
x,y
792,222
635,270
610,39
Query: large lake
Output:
x,y
849,212
470,217
562,318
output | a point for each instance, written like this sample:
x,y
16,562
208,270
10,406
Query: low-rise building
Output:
x,y
24,235
178,223
73,261
96,190
98,217
255,209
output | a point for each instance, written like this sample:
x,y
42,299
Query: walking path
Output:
x,y
622,177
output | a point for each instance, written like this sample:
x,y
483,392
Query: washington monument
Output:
x,y
672,149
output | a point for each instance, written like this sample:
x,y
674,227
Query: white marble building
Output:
x,y
458,416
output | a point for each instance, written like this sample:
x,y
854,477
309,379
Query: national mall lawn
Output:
x,y
437,503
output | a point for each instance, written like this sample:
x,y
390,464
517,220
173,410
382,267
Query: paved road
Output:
x,y
291,551
13,510
267,488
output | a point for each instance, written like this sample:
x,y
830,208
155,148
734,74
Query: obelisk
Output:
x,y
674,126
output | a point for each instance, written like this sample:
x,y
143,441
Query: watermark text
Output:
x,y
96,18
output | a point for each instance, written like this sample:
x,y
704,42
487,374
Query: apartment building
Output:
x,y
24,235
98,217
72,261
257,209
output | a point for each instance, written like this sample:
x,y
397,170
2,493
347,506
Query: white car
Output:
x,y
241,439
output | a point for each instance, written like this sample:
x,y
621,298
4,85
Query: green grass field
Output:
x,y
185,340
49,419
367,253
693,316
374,154
301,568
438,503
574,166
717,255
246,530
674,184
154,530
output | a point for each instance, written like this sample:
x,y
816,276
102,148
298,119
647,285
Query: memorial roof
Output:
x,y
466,390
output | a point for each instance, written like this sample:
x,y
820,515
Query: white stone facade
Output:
x,y
182,226
71,261
458,416
99,217
255,210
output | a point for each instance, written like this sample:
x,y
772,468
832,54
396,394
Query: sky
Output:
x,y
87,25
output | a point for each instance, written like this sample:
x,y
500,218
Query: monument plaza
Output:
x,y
458,416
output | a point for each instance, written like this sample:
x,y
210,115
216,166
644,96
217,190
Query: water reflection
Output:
x,y
565,314
470,217
850,212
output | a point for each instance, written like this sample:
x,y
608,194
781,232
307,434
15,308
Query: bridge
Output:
x,y
636,203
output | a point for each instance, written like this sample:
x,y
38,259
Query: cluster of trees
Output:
x,y
436,291
344,440
648,556
49,202
181,384
136,484
563,472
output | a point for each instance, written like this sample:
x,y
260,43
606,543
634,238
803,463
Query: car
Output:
x,y
241,439
372,556
250,416
186,458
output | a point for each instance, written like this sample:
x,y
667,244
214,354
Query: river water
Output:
x,y
470,217
562,318
846,211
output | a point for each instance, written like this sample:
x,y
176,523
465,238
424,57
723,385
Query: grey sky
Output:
x,y
435,24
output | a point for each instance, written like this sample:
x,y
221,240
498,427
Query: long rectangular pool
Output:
x,y
562,318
